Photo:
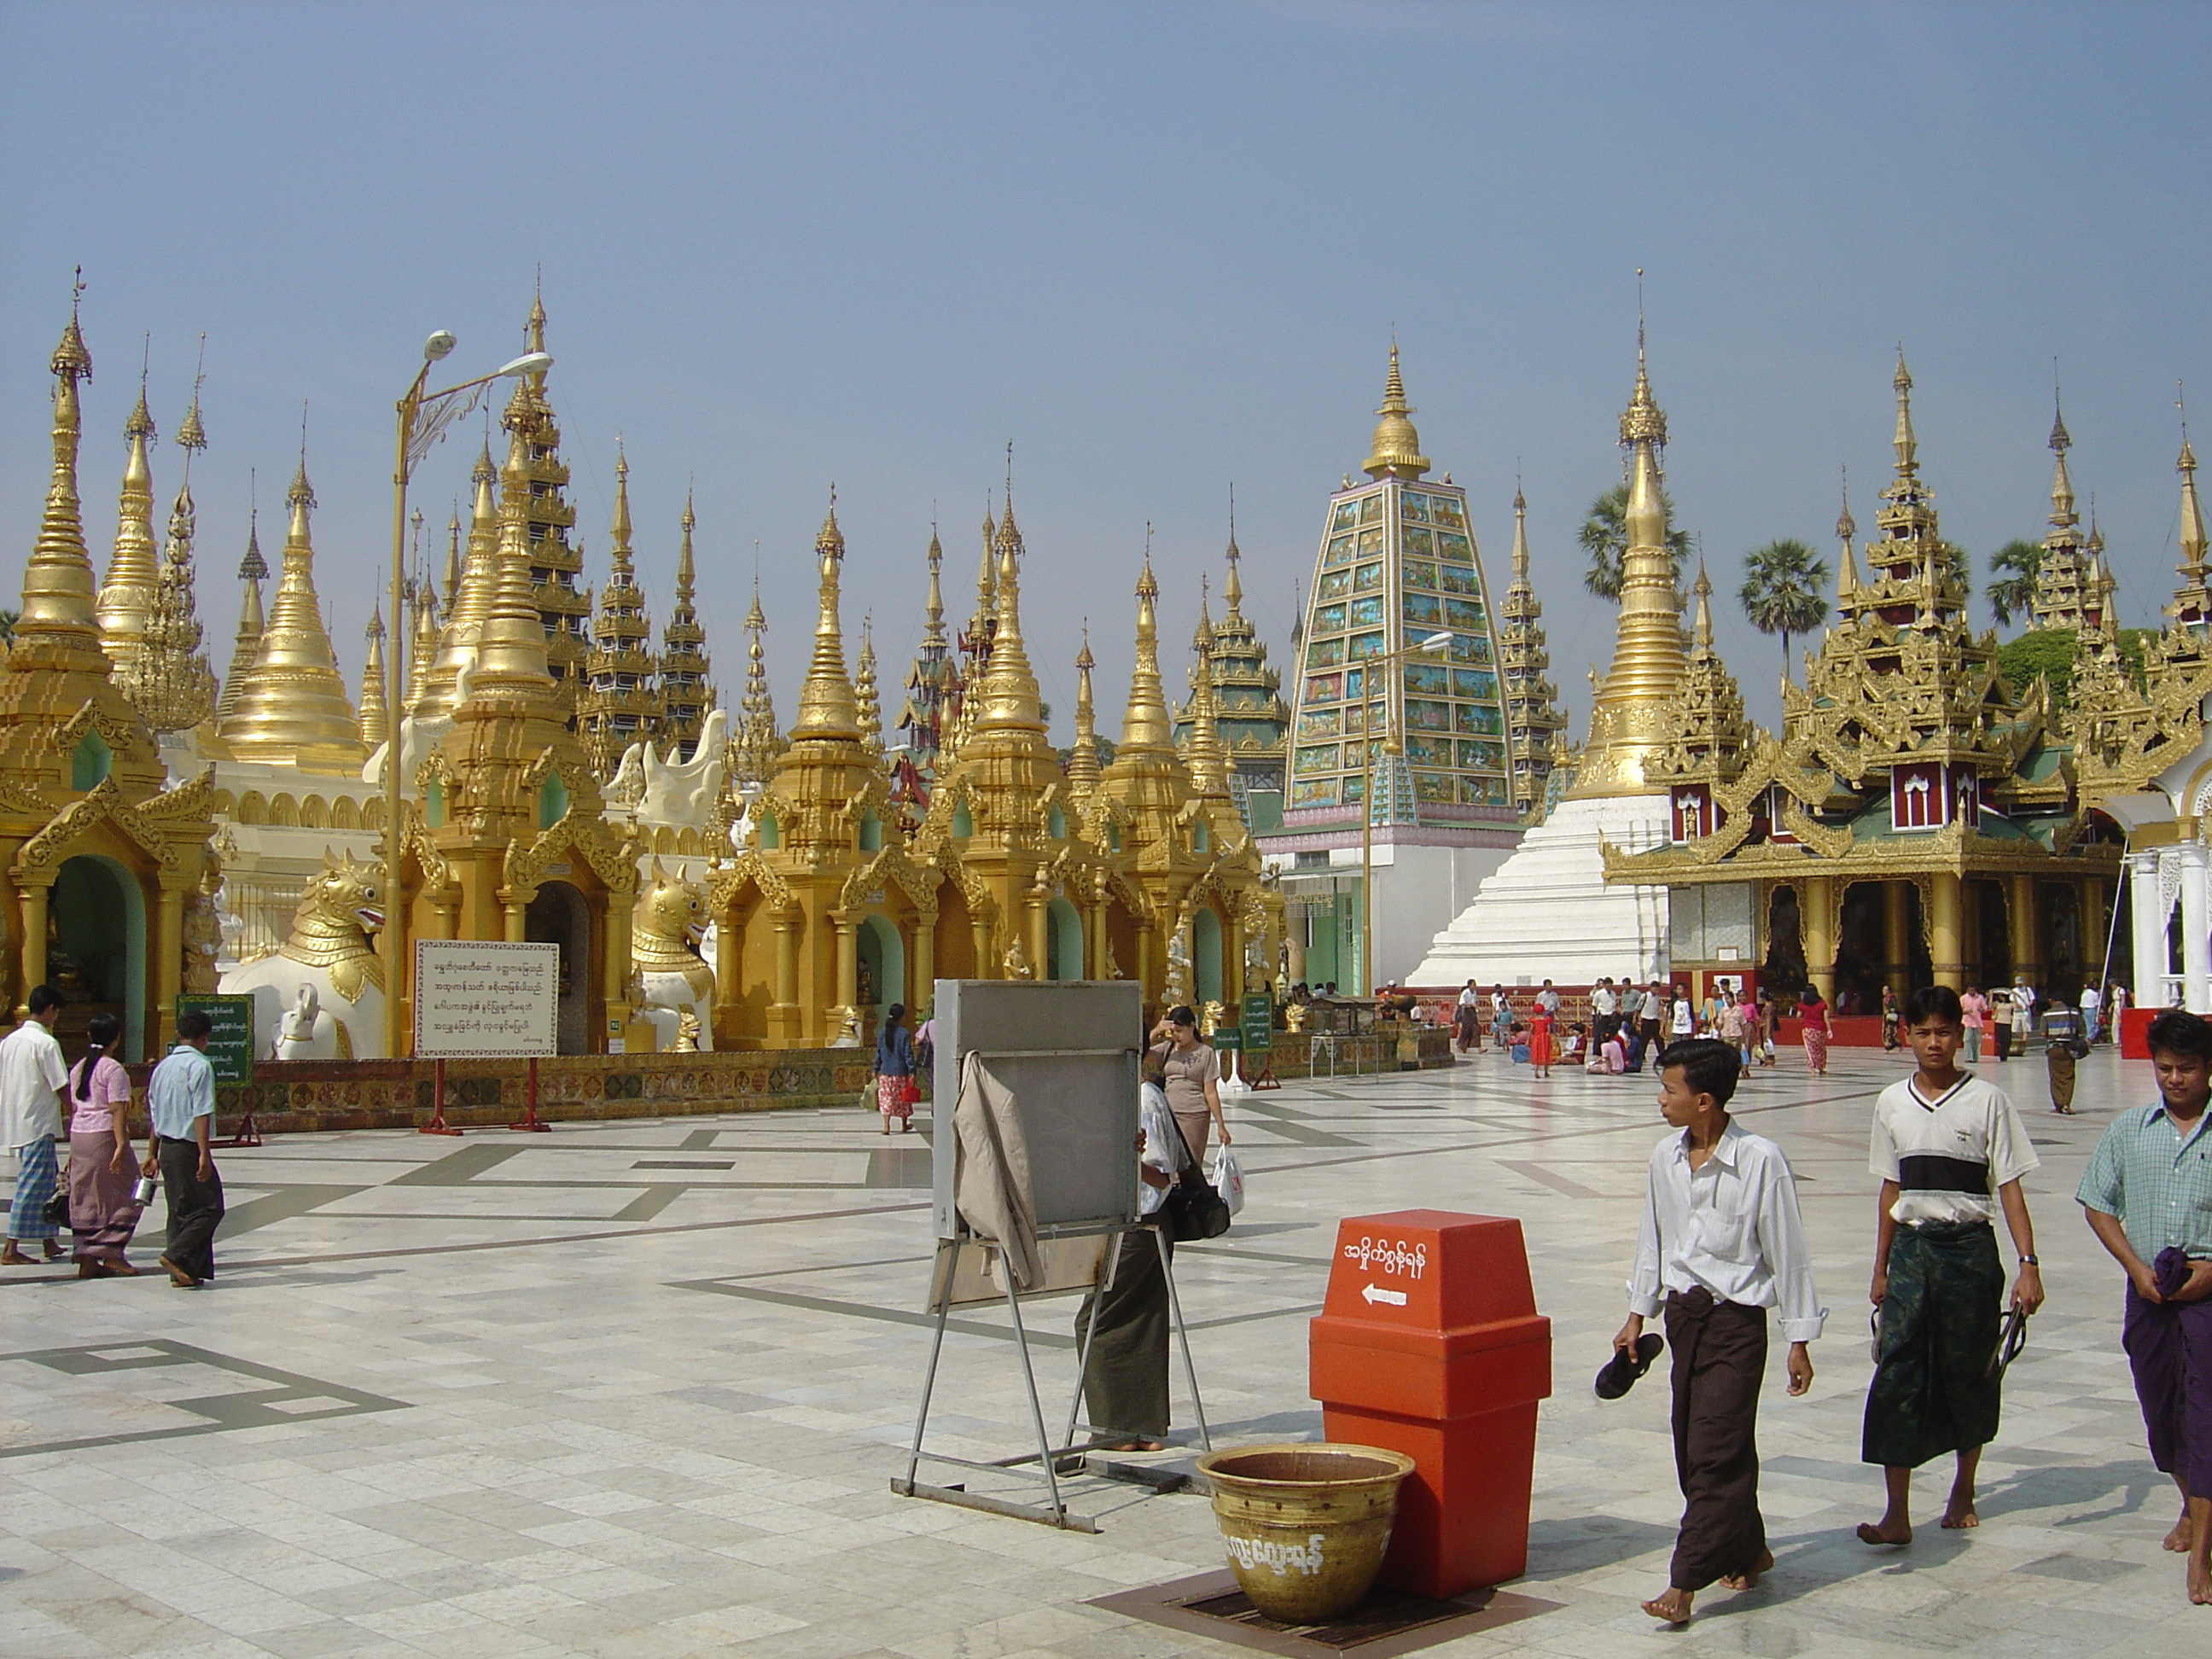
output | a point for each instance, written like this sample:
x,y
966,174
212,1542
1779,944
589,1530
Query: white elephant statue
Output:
x,y
330,955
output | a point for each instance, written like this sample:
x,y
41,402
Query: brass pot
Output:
x,y
1305,1526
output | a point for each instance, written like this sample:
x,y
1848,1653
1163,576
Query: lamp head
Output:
x,y
437,346
530,362
1434,642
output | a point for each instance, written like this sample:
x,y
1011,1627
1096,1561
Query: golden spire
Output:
x,y
127,597
1082,759
424,652
468,602
1397,448
2195,553
294,705
1847,570
826,708
57,627
246,643
1009,691
2062,485
453,583
869,699
933,609
1701,635
757,743
167,677
1145,725
1232,586
685,695
374,720
1203,754
510,646
987,570
1639,697
1907,446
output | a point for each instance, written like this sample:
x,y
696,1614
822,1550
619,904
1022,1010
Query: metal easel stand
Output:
x,y
1051,1460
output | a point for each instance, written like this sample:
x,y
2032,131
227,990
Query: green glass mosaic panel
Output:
x,y
1322,757
1370,543
1451,546
1457,579
1328,619
1420,575
1321,723
1371,510
1425,608
1463,613
1428,678
1335,584
1424,715
1414,507
1324,653
1339,550
1419,541
1429,751
1470,648
1366,645
1433,786
1345,515
1446,511
1324,688
1354,787
1368,612
1475,683
1367,579
1314,791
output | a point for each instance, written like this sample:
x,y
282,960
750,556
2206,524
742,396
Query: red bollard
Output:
x,y
531,1123
1429,1344
437,1125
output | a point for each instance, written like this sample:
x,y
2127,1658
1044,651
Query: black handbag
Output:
x,y
1192,1209
58,1210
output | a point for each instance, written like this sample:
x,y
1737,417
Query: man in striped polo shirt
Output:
x,y
1949,1150
2148,1196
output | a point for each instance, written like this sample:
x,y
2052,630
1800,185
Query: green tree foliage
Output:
x,y
2013,570
2050,653
1604,537
1785,591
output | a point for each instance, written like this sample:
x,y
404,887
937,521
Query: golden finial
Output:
x,y
869,699
510,668
619,529
687,570
191,435
1009,690
70,360
1703,631
1396,451
1643,422
1082,758
246,643
933,609
1520,534
58,622
828,709
1847,572
2194,551
1203,753
1232,584
452,561
1145,723
374,722
2062,483
134,567
1907,446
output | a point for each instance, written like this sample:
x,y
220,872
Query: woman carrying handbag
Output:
x,y
896,1089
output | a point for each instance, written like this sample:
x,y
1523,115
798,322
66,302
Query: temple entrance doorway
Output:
x,y
881,970
96,951
558,916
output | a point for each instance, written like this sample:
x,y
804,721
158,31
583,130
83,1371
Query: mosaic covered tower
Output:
x,y
1397,565
619,706
1533,719
536,491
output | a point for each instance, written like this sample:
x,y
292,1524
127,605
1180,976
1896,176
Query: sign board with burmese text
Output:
x,y
486,999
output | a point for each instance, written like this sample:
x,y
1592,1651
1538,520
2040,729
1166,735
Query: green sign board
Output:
x,y
1226,1039
230,1045
1258,1021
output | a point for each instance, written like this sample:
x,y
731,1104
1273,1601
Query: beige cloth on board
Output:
x,y
990,1171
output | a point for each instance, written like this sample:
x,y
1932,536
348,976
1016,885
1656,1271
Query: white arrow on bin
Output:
x,y
1375,1293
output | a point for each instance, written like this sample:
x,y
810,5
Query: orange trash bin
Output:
x,y
1429,1344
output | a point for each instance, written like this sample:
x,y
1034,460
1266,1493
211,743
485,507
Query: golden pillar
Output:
x,y
922,994
783,1016
615,977
1970,932
846,993
1816,929
517,911
1897,936
2027,931
34,946
1144,961
1943,932
1094,940
980,925
1039,902
168,965
729,964
2096,929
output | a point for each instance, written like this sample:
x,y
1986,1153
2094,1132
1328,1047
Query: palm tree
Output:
x,y
1604,537
2013,569
1785,592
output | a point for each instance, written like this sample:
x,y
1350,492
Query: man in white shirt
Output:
x,y
1466,1019
1949,1149
1605,1009
1720,1243
32,1078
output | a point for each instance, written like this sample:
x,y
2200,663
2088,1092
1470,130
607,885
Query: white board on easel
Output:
x,y
486,1000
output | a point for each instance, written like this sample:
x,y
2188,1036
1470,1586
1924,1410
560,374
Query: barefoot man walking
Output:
x,y
1720,1243
2148,1196
1949,1149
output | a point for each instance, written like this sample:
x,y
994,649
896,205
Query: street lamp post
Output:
x,y
1391,745
422,421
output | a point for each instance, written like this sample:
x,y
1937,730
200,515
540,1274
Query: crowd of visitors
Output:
x,y
107,1191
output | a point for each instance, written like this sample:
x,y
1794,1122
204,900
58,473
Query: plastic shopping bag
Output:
x,y
1229,1179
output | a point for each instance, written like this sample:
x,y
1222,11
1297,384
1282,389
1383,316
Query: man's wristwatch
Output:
x,y
2029,1261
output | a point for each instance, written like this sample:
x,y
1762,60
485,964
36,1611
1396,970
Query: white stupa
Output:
x,y
1548,913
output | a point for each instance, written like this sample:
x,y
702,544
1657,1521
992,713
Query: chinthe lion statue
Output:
x,y
331,953
670,978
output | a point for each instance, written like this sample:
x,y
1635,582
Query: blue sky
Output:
x,y
1160,248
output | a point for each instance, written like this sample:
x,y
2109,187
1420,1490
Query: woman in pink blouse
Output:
x,y
1974,1008
103,1214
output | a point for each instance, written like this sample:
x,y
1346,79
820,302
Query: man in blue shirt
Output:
x,y
181,1100
2148,1196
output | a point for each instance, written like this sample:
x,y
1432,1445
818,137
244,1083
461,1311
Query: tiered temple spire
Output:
x,y
756,744
469,600
2068,592
866,693
2192,603
1249,717
373,715
294,704
57,627
126,599
686,696
167,678
245,643
535,488
1082,759
1533,721
1008,696
827,707
933,683
620,705
1396,451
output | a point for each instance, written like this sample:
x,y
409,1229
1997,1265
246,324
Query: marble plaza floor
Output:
x,y
637,1389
